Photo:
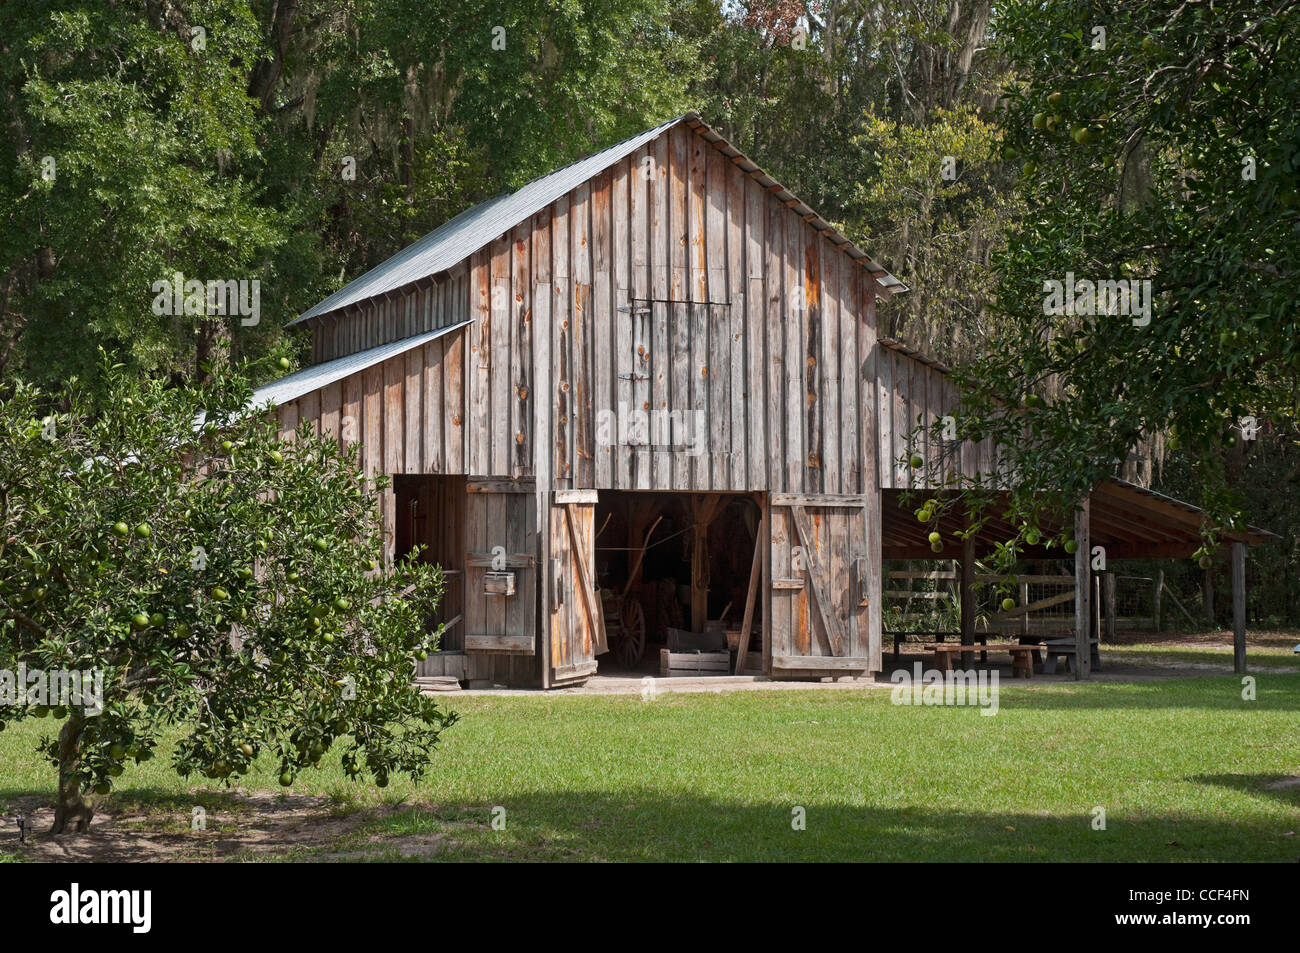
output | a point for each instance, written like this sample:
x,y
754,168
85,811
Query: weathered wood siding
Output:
x,y
425,307
912,394
704,336
406,413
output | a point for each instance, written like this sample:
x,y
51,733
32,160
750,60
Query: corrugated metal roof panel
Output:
x,y
476,227
321,375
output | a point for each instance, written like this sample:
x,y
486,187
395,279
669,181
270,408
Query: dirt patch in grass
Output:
x,y
1221,639
238,826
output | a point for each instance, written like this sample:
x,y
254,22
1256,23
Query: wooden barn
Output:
x,y
643,399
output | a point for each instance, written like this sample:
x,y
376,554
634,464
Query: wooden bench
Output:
x,y
1023,657
1067,649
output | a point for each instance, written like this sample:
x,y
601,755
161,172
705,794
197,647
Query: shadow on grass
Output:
x,y
1274,787
647,826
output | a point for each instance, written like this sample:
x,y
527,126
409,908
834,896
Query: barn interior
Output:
x,y
674,572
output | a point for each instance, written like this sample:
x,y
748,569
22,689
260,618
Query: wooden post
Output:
x,y
699,564
967,597
1158,591
1108,580
1024,619
755,575
1082,591
1239,608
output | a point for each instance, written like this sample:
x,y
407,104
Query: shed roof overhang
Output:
x,y
1131,522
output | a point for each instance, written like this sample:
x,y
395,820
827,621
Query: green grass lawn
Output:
x,y
1182,767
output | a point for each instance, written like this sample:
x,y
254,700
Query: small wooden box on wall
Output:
x,y
498,583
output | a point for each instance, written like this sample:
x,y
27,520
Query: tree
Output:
x,y
211,578
935,208
1147,297
296,143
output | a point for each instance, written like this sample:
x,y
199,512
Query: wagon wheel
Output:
x,y
632,645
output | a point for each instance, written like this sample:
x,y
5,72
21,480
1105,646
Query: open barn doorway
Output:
x,y
674,572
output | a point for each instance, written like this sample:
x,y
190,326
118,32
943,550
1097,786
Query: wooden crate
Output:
x,y
694,663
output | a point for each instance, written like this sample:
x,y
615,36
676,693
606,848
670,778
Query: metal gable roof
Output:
x,y
478,226
321,375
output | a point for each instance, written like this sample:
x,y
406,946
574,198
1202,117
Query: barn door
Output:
x,y
500,574
820,570
577,620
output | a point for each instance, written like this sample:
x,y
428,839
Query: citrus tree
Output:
x,y
1146,299
207,579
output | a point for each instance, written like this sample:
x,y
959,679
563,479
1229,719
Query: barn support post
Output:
x,y
699,564
968,595
1108,584
1082,592
1024,619
1239,608
1156,592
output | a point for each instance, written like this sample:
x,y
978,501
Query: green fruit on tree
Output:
x,y
117,751
1008,605
103,787
292,575
284,363
916,461
381,780
143,531
275,457
1029,168
421,655
219,594
1205,562
1053,123
935,537
115,771
244,573
936,547
139,621
1056,100
121,529
60,713
181,631
1150,46
157,619
227,446
327,638
1071,547
1040,121
342,604
1032,537
322,545
247,749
